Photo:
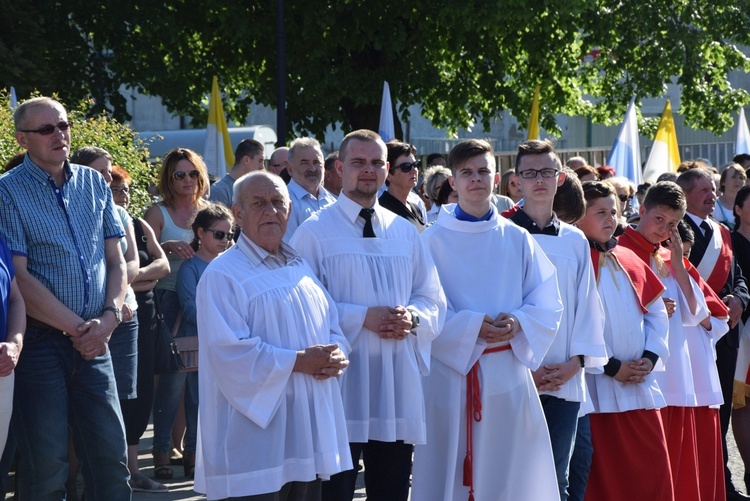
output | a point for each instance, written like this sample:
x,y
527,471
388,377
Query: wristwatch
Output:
x,y
116,311
414,322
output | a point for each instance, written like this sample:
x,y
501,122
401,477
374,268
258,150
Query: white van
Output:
x,y
195,139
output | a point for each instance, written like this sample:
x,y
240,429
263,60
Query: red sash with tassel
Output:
x,y
474,413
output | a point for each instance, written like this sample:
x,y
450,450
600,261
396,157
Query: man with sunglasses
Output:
x,y
306,189
279,162
59,222
403,175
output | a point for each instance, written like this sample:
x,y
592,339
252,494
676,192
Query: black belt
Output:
x,y
38,324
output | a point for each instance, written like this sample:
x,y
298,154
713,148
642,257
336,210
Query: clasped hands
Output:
x,y
502,328
389,323
552,377
321,361
90,338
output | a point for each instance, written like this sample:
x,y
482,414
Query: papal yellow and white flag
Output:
x,y
664,156
533,128
217,152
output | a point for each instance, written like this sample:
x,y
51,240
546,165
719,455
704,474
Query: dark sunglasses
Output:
x,y
48,129
407,166
624,198
179,175
219,235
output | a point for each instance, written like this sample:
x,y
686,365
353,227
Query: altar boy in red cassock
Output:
x,y
657,242
630,457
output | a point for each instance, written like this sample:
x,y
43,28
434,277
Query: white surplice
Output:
x,y
628,332
582,324
486,268
702,346
382,388
676,381
262,425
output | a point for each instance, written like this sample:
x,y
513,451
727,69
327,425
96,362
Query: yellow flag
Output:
x,y
533,127
665,155
217,152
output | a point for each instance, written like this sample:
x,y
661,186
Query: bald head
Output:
x,y
279,160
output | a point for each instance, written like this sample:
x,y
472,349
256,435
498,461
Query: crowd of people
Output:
x,y
552,333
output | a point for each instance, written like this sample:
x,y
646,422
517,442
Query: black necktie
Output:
x,y
366,214
708,232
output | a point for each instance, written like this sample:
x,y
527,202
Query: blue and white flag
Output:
x,y
743,135
13,98
625,155
386,129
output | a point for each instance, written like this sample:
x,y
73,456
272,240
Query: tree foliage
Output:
x,y
460,61
100,130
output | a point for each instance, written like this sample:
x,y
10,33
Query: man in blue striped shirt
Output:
x,y
58,221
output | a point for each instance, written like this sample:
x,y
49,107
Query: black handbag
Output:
x,y
166,355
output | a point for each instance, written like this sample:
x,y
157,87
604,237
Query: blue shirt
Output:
x,y
304,205
7,272
61,231
188,277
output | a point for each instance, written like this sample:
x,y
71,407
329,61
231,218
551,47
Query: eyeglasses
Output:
x,y
219,235
624,198
124,190
48,129
179,175
407,166
532,173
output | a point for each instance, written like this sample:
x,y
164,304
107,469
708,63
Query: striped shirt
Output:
x,y
258,256
61,231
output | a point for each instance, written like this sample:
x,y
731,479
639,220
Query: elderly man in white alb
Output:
x,y
391,307
271,417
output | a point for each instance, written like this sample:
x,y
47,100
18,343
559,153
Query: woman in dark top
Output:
x,y
153,265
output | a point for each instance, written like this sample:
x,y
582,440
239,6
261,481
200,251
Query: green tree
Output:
x,y
100,130
460,61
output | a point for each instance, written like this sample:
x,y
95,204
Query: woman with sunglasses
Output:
x,y
183,181
402,177
212,228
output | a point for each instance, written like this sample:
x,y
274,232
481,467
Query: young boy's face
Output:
x,y
657,222
600,221
475,179
539,189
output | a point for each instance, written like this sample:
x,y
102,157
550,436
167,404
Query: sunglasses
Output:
x,y
48,129
624,198
219,235
179,175
407,166
532,173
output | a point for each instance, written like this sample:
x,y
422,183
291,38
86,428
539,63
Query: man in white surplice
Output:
x,y
504,310
391,307
271,417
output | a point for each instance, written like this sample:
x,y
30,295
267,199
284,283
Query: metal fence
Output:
x,y
719,154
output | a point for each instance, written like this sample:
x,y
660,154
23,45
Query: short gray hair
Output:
x,y
302,143
23,110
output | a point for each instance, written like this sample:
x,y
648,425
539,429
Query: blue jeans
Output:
x,y
562,419
169,389
123,347
57,389
580,463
